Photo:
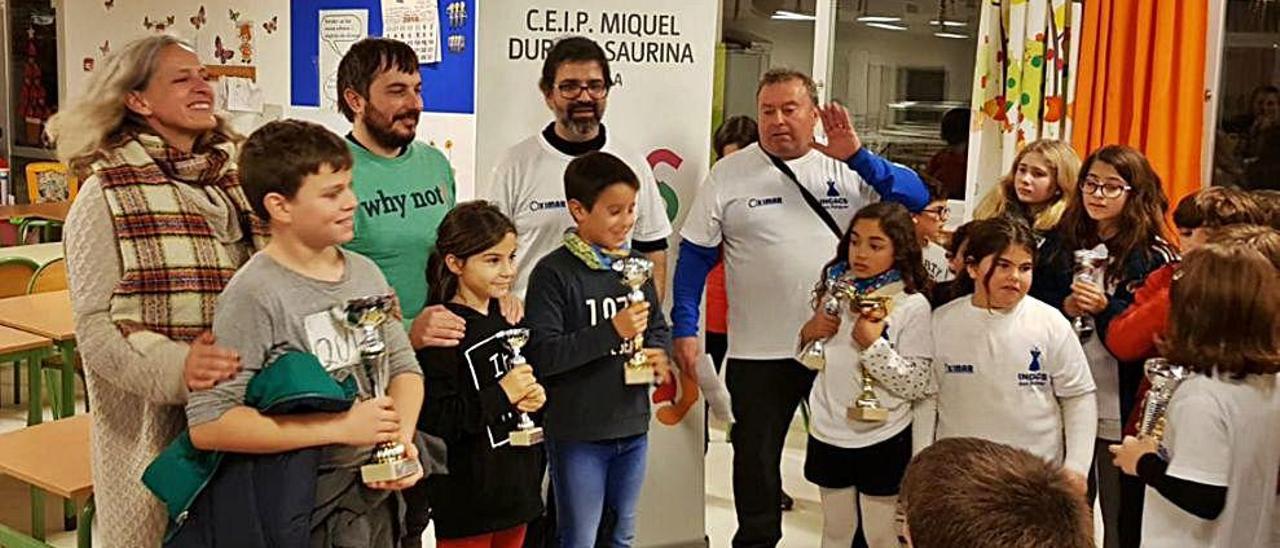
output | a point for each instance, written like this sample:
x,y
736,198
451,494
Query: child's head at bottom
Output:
x,y
974,492
474,257
601,193
296,176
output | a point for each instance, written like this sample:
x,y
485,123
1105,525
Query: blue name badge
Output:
x,y
960,368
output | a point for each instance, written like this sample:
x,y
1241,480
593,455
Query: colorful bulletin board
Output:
x,y
447,86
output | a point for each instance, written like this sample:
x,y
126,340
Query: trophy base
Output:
x,y
526,437
389,471
868,414
815,363
639,374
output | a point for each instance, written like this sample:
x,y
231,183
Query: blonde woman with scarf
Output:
x,y
158,228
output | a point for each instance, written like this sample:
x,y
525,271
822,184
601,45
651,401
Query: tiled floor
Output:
x,y
801,527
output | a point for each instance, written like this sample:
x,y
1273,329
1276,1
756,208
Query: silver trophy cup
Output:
x,y
837,292
365,317
635,271
526,433
1164,378
1089,268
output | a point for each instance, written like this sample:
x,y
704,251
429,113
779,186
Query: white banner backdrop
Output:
x,y
662,54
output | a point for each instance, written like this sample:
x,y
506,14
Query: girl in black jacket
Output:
x,y
1119,207
474,395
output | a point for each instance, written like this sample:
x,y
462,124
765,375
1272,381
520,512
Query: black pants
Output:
x,y
765,395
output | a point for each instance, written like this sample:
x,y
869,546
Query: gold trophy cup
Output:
x,y
365,316
526,433
867,408
635,271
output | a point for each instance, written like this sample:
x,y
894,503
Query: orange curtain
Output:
x,y
1141,83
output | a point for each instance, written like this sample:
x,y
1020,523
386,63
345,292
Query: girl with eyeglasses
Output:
x,y
1119,206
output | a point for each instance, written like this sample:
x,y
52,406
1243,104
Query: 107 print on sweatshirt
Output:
x,y
604,309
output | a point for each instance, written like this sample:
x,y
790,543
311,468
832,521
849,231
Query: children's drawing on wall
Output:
x,y
245,31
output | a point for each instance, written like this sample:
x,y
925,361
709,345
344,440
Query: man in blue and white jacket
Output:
x,y
774,248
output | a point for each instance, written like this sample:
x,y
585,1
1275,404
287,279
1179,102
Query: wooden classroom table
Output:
x,y
47,315
53,211
53,458
42,254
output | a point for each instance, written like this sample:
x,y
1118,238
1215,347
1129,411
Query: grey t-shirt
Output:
x,y
266,306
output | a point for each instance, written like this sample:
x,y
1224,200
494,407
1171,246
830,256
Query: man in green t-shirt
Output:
x,y
405,187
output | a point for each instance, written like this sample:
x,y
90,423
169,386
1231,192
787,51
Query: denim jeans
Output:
x,y
587,477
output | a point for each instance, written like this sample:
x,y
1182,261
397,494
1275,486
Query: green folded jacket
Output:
x,y
293,382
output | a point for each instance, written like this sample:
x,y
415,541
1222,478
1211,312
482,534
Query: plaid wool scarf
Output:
x,y
173,266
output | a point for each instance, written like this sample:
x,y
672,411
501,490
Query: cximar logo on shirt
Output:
x,y
761,202
535,205
1034,376
960,368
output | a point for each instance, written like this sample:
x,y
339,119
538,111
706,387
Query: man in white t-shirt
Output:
x,y
774,244
528,183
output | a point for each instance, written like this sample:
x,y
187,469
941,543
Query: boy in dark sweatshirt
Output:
x,y
596,424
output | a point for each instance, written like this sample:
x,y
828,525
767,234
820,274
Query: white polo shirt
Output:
x,y
774,245
838,385
1220,432
1000,374
528,186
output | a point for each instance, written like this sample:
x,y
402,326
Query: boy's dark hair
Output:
x,y
937,190
1222,279
365,61
572,49
1269,201
279,155
974,492
739,130
588,175
955,126
1218,206
468,229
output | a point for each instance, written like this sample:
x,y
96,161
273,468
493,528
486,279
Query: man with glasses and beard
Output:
x,y
528,184
405,188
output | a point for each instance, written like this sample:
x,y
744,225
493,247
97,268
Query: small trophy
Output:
x,y
867,407
1165,378
635,272
526,433
365,316
814,354
1089,265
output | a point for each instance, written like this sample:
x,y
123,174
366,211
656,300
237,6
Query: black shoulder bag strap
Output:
x,y
817,208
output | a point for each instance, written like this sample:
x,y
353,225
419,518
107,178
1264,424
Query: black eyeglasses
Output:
x,y
942,212
571,89
1110,191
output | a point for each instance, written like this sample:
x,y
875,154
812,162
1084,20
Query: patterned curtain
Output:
x,y
1023,83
